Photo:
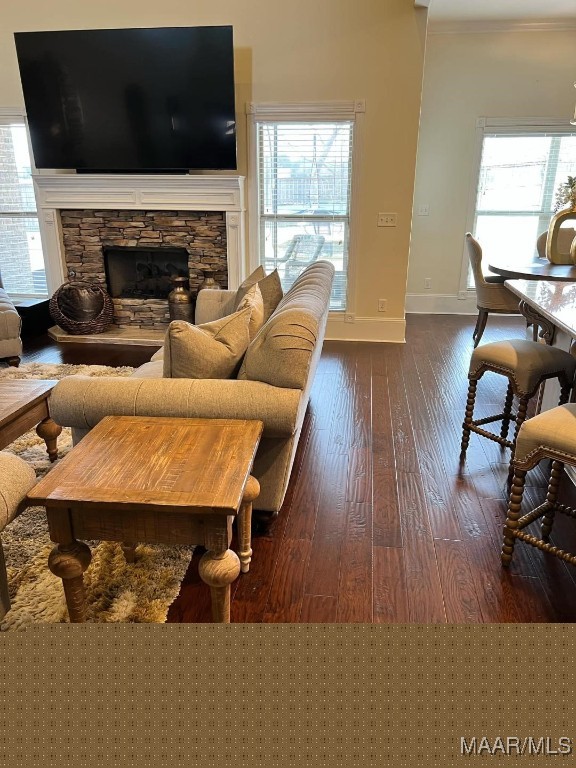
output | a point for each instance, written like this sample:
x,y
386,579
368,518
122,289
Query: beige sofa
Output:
x,y
273,383
10,326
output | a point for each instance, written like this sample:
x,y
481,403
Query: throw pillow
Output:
x,y
270,288
253,301
210,351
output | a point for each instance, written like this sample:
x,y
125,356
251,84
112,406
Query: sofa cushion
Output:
x,y
253,301
210,351
270,288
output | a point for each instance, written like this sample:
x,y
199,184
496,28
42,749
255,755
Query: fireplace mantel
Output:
x,y
61,191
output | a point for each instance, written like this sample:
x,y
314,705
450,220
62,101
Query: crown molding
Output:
x,y
486,27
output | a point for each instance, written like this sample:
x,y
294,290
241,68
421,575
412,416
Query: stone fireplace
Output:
x,y
85,217
133,254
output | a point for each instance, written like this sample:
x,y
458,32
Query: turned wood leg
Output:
x,y
507,411
521,414
129,550
218,567
513,515
48,430
468,417
551,497
245,524
4,596
68,562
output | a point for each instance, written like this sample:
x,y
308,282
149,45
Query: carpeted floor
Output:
x,y
140,592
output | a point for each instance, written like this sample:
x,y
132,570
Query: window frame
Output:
x,y
306,112
10,115
502,126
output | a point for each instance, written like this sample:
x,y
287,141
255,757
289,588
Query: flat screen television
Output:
x,y
133,100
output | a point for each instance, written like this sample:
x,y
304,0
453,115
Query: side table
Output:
x,y
156,480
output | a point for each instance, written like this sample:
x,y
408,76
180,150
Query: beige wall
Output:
x,y
302,50
505,74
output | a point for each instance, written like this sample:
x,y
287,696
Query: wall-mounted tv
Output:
x,y
132,100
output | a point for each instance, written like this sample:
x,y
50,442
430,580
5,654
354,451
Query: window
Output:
x,y
21,259
304,180
521,168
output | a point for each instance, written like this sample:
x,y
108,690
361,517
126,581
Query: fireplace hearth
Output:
x,y
143,273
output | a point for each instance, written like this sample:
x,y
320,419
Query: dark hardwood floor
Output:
x,y
380,524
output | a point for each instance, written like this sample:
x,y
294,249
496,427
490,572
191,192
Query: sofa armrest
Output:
x,y
213,304
81,402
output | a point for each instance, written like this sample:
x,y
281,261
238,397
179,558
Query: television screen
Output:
x,y
130,99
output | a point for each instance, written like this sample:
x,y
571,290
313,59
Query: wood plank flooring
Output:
x,y
379,525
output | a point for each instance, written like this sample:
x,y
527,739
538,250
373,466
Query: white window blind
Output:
x,y
304,183
520,171
21,259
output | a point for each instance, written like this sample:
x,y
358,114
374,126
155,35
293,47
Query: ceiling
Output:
x,y
515,11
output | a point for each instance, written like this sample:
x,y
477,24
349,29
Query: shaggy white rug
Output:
x,y
140,592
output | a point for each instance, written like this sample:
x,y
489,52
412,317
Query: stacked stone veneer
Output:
x,y
85,234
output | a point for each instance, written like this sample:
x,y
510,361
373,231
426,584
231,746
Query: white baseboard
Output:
x,y
366,329
441,304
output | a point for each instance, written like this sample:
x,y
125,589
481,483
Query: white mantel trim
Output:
x,y
61,191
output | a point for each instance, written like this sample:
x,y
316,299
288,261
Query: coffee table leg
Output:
x,y
129,550
68,562
218,567
48,430
245,523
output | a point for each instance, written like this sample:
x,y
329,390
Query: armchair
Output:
x,y
10,327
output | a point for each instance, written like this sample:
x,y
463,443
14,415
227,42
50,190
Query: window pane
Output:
x,y
16,191
305,168
512,173
519,176
304,180
21,261
290,246
507,237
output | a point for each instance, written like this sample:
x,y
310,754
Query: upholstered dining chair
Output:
x,y
491,294
565,237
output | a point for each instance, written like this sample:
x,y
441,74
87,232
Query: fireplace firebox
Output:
x,y
143,273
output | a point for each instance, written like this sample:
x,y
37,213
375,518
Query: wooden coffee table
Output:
x,y
23,405
155,480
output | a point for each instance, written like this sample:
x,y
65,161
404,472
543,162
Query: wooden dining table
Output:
x,y
532,268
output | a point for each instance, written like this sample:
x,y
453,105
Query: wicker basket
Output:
x,y
97,324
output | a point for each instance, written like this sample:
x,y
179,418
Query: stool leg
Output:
x,y
513,515
551,496
520,419
480,325
521,414
507,411
468,417
565,389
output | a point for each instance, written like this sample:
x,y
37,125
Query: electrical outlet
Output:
x,y
387,219
382,305
349,318
427,283
423,210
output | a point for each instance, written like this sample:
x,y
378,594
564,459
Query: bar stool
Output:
x,y
550,435
526,364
